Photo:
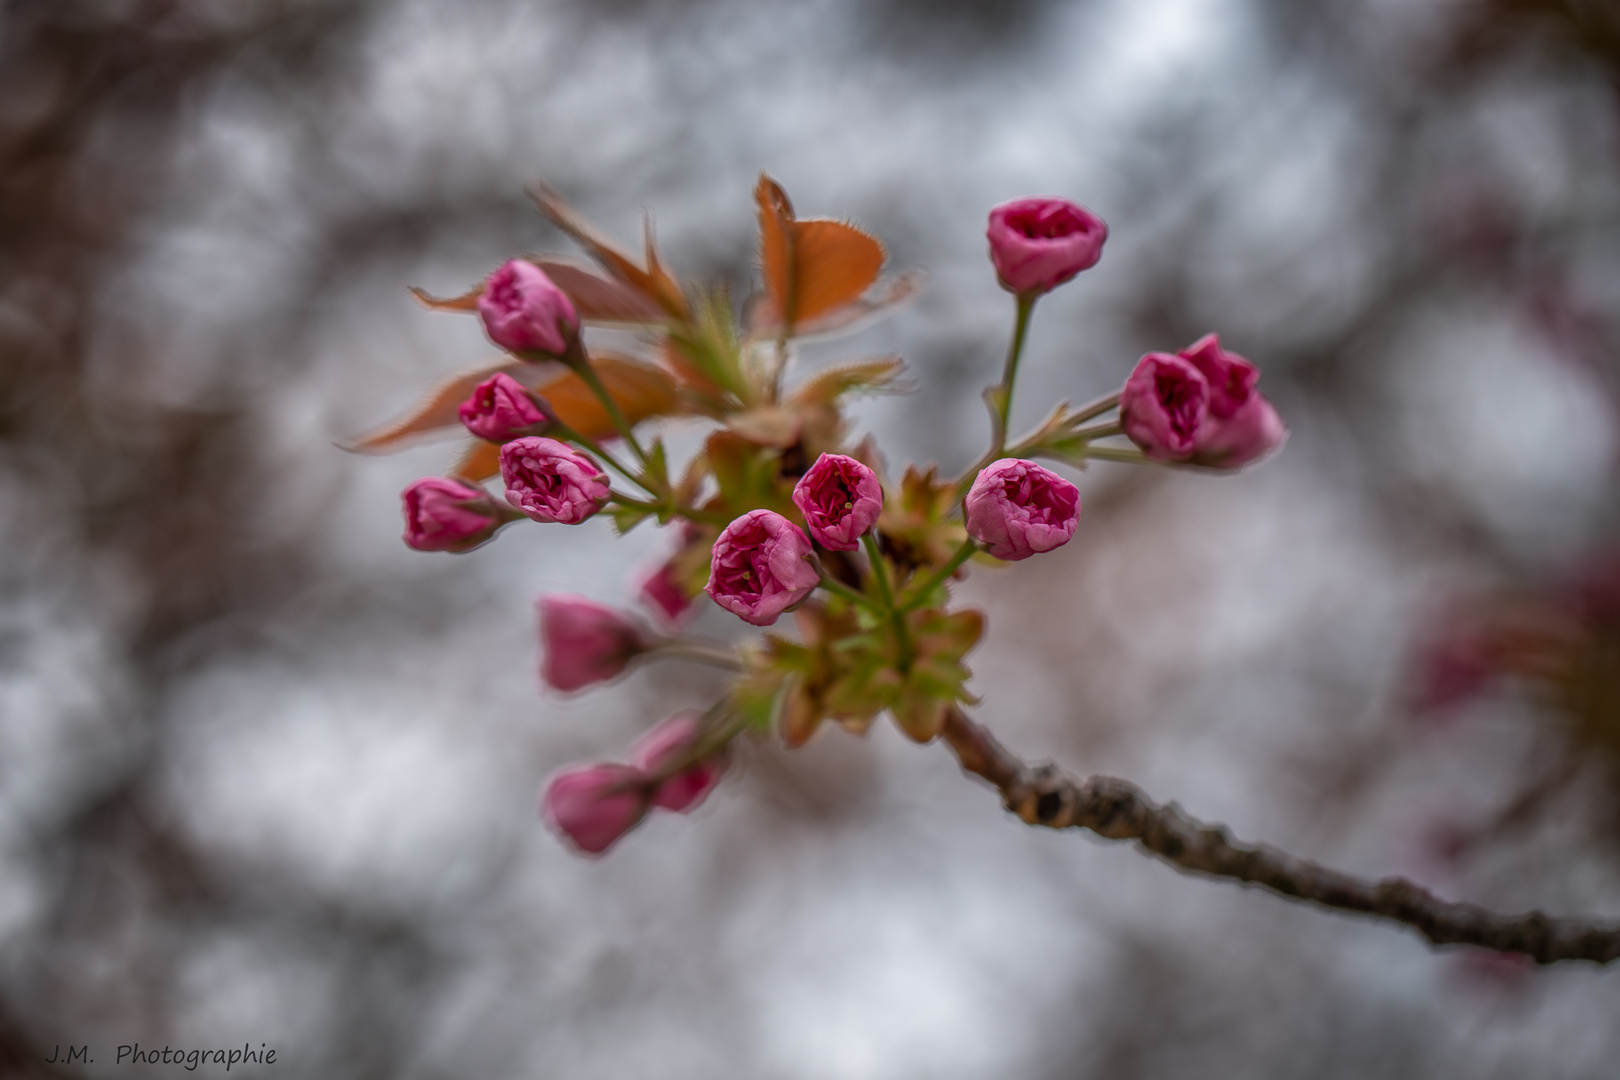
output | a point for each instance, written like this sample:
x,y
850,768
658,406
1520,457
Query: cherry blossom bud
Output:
x,y
525,312
666,742
664,596
448,515
593,805
1037,243
551,481
1164,408
761,567
1242,425
840,499
1018,509
501,408
583,642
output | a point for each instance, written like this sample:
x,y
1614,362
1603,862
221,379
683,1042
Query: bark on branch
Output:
x,y
1118,810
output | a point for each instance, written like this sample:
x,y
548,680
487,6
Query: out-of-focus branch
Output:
x,y
1118,810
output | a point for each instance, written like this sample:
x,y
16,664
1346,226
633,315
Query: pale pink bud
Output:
x,y
447,515
500,409
1164,408
1242,425
583,642
1018,509
667,742
594,805
1037,243
551,481
524,311
840,499
761,567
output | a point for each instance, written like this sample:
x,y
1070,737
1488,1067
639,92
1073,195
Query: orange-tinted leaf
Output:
x,y
436,410
467,301
767,425
810,267
479,461
640,389
869,376
654,283
598,299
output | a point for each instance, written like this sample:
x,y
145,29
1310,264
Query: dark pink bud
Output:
x,y
448,515
1018,509
551,481
761,567
1242,425
524,311
664,595
583,642
1164,407
1037,244
667,742
593,805
840,499
501,409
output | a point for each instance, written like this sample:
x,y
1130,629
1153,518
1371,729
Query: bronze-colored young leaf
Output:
x,y
641,391
655,283
467,301
435,411
479,460
877,375
599,299
810,267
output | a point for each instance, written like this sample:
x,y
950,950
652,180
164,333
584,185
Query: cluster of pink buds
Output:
x,y
777,512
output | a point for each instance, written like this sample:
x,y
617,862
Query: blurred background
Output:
x,y
266,776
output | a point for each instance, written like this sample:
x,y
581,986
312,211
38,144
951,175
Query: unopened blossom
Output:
x,y
1164,408
551,481
1038,243
501,408
1242,425
761,567
593,805
662,593
583,642
668,742
523,310
1017,509
840,499
442,514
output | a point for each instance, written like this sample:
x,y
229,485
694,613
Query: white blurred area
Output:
x,y
345,750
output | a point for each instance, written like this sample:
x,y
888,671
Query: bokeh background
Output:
x,y
266,776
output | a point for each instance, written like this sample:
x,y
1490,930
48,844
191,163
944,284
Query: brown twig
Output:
x,y
1118,810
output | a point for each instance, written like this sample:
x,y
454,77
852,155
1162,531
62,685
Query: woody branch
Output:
x,y
1118,810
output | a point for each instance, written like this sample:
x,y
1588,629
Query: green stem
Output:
x,y
592,380
1095,409
897,618
1097,431
1109,453
700,652
838,588
938,577
1015,351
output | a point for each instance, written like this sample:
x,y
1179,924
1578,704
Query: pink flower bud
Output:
x,y
583,642
1164,407
447,515
761,567
500,409
1037,244
551,481
525,312
663,594
667,741
840,499
1242,425
1018,509
594,805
